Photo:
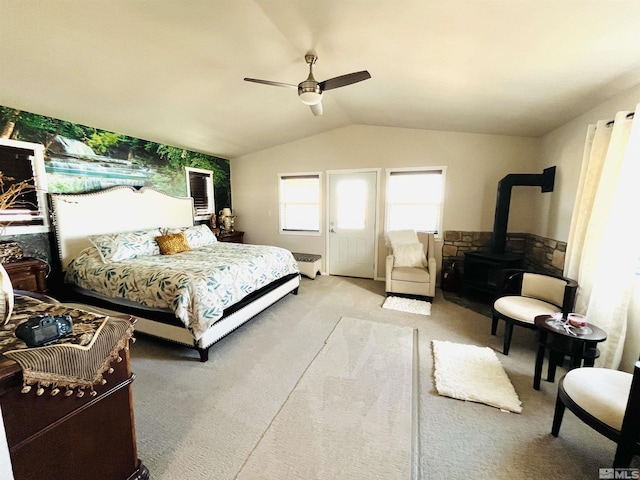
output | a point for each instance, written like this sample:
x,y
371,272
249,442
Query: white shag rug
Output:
x,y
474,374
407,305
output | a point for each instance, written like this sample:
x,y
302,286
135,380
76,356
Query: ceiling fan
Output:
x,y
310,90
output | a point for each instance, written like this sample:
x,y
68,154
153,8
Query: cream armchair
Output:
x,y
606,400
523,295
413,278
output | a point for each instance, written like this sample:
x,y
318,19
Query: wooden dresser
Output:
x,y
28,274
58,437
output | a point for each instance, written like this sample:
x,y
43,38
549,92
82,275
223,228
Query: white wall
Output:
x,y
564,147
475,165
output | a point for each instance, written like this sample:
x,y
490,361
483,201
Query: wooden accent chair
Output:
x,y
523,295
606,400
419,279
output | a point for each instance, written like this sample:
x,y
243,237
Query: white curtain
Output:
x,y
604,240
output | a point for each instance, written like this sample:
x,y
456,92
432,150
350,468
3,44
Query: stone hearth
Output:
x,y
539,254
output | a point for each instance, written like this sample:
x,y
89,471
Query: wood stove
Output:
x,y
482,269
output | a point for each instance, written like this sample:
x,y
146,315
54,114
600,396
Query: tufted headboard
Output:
x,y
117,209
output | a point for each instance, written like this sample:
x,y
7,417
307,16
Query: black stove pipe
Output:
x,y
545,180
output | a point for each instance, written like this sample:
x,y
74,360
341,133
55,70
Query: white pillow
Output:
x,y
399,237
197,236
409,255
115,247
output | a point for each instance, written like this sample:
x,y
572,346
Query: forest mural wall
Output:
x,y
80,158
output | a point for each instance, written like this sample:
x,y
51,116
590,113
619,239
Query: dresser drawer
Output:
x,y
28,274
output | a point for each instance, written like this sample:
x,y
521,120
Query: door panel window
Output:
x,y
352,196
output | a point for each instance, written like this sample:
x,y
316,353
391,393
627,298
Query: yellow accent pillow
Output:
x,y
173,243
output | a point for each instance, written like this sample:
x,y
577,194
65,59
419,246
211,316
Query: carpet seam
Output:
x,y
415,409
264,432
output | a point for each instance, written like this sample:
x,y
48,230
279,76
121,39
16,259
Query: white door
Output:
x,y
352,226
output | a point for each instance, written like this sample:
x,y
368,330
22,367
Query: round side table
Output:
x,y
579,344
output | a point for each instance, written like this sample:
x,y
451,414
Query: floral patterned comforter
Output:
x,y
197,285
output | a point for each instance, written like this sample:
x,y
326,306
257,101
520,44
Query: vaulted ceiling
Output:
x,y
172,71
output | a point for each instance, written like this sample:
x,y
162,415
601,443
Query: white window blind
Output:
x,y
24,162
300,203
200,188
414,199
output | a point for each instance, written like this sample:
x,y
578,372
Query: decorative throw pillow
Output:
x,y
173,243
115,247
399,237
199,236
6,296
409,255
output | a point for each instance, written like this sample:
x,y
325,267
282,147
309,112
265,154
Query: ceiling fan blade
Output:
x,y
316,109
269,82
344,80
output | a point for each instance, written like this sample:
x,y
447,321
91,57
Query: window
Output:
x,y
300,203
414,199
24,162
352,198
200,188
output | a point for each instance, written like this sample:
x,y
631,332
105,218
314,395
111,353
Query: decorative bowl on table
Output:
x,y
577,320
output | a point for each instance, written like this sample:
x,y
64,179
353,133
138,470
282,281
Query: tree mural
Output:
x,y
79,158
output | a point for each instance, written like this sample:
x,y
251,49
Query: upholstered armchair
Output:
x,y
523,295
410,269
606,400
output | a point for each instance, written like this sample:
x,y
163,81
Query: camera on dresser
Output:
x,y
44,329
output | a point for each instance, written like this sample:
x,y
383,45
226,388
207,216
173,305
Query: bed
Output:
x,y
109,258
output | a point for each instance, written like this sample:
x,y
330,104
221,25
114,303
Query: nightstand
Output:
x,y
234,237
28,274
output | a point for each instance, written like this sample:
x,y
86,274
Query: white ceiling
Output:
x,y
172,71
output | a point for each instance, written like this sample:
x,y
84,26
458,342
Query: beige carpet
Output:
x,y
203,420
357,388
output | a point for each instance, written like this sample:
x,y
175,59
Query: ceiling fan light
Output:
x,y
311,98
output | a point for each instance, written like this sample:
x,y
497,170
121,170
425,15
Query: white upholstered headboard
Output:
x,y
116,209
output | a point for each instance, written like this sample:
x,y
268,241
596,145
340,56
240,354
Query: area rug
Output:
x,y
409,305
349,415
474,374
